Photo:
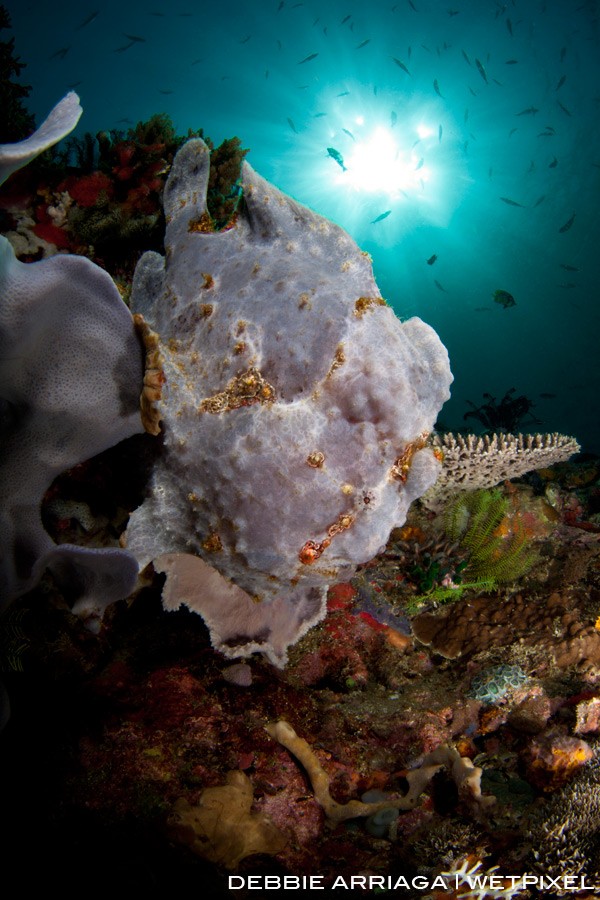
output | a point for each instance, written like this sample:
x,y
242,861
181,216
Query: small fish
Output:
x,y
567,225
246,39
564,108
481,70
124,47
453,12
345,19
381,216
401,65
553,164
511,62
563,53
412,6
568,284
511,132
546,396
363,44
432,259
439,286
420,164
135,38
466,58
539,200
440,135
509,26
393,118
510,202
307,58
472,91
343,94
335,154
292,126
436,87
530,111
504,299
60,54
164,92
319,115
349,133
560,82
195,62
568,267
88,20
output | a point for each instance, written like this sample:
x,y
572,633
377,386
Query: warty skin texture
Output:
x,y
294,410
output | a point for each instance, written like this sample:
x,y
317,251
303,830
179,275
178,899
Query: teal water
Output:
x,y
435,148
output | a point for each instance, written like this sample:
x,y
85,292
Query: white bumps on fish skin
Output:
x,y
294,411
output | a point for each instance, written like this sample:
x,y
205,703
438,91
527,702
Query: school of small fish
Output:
x,y
453,71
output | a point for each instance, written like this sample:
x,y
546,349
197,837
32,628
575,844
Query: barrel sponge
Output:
x,y
71,374
295,411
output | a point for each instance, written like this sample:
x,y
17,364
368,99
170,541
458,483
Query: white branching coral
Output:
x,y
472,461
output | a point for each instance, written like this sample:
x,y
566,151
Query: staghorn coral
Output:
x,y
471,462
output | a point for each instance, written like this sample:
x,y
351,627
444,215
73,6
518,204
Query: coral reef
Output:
x,y
565,830
291,447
